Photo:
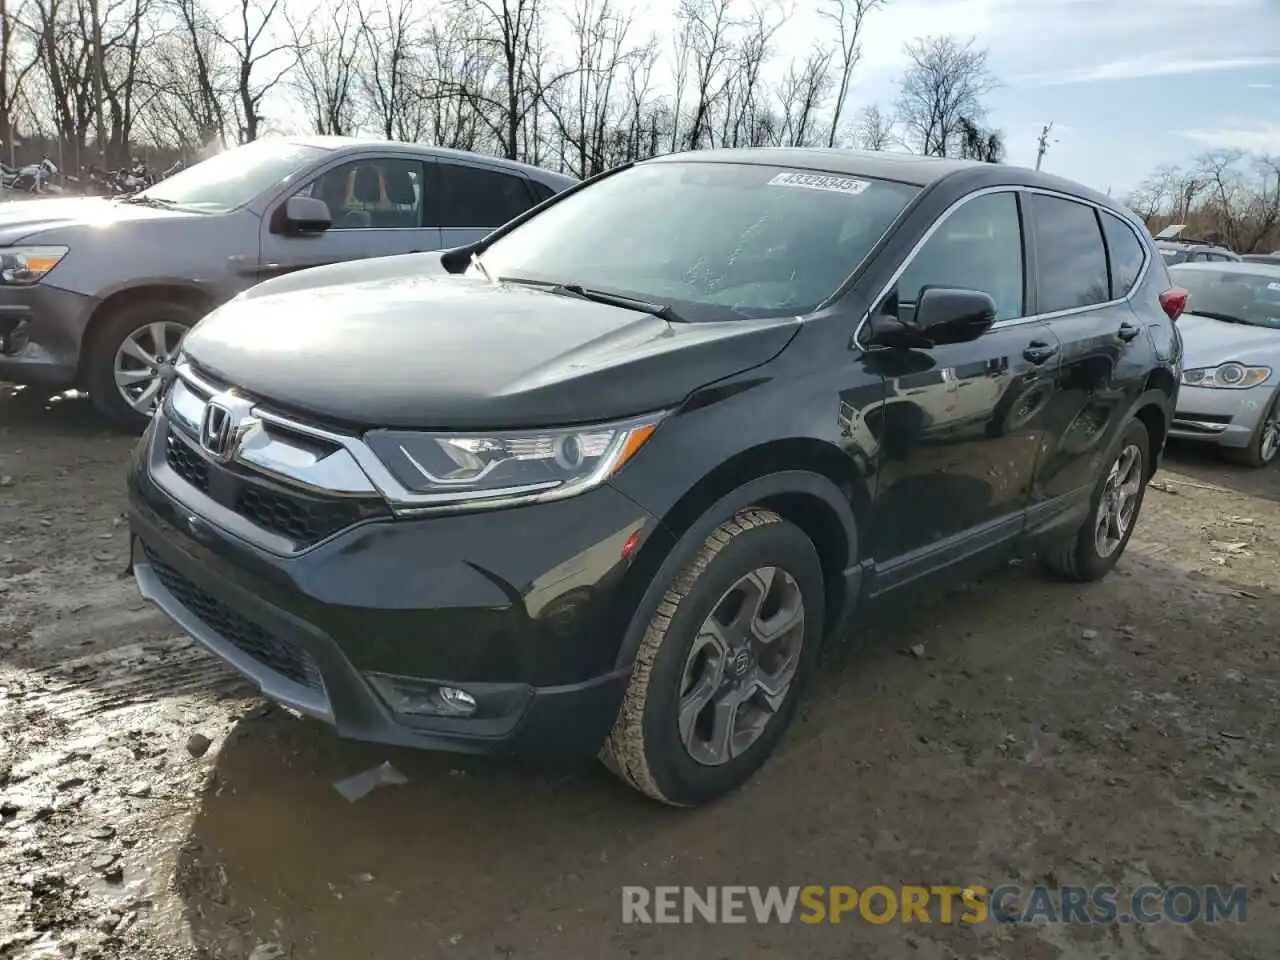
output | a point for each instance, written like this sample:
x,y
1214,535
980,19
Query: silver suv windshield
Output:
x,y
710,240
234,177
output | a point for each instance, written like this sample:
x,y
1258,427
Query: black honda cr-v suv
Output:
x,y
604,481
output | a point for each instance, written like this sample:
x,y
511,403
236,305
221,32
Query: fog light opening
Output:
x,y
411,697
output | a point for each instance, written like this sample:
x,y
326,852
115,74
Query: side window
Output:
x,y
477,197
1070,254
979,247
1126,253
372,193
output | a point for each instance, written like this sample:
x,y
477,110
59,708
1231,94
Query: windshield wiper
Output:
x,y
149,201
659,310
1224,317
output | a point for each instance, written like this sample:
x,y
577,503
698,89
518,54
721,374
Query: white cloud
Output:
x,y
1150,65
1260,136
1260,86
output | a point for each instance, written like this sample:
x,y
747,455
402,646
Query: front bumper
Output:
x,y
41,328
1225,417
518,607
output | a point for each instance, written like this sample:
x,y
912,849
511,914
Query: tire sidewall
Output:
x,y
1093,564
106,340
682,779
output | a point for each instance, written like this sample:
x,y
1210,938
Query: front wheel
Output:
x,y
1113,514
722,662
131,355
1264,445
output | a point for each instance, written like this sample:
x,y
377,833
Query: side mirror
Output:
x,y
942,315
954,314
307,214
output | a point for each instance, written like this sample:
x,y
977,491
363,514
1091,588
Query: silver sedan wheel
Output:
x,y
741,665
1269,445
1119,503
145,361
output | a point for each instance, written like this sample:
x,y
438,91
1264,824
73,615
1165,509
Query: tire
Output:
x,y
1079,557
646,747
1261,451
109,335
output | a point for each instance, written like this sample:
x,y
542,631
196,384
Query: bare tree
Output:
x,y
587,112
801,95
188,73
392,36
848,16
13,71
944,84
329,61
980,143
249,43
874,129
707,27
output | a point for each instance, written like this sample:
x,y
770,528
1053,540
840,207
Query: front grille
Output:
x,y
276,653
300,518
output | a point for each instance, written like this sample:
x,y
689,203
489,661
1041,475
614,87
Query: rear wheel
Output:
x,y
722,664
131,354
1264,445
1117,500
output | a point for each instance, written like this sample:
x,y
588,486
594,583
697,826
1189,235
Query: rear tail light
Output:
x,y
1173,301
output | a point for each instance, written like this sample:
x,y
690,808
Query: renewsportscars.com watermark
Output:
x,y
973,904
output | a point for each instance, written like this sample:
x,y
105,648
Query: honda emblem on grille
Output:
x,y
226,419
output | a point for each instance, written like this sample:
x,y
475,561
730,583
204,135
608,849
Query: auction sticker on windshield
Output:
x,y
821,181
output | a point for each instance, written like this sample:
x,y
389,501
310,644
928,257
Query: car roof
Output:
x,y
890,165
1247,267
373,144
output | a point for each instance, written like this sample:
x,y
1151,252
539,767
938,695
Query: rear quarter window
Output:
x,y
1125,254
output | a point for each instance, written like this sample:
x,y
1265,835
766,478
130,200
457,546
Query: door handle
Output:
x,y
1128,332
1039,352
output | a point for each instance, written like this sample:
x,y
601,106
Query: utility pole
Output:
x,y
1043,146
99,99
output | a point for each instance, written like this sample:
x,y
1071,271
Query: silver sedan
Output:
x,y
1230,392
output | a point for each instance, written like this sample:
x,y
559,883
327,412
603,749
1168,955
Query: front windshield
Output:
x,y
1252,298
714,241
234,177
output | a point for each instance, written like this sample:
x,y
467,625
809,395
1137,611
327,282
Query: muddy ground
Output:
x,y
1119,733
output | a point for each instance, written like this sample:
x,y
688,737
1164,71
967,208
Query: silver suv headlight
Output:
x,y
1226,376
24,266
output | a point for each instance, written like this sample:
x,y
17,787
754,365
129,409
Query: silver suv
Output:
x,y
98,293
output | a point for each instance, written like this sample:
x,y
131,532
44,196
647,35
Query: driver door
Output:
x,y
377,207
961,440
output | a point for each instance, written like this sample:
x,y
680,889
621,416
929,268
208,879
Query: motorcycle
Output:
x,y
33,178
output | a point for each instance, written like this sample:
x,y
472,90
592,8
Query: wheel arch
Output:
x,y
188,294
1154,408
805,481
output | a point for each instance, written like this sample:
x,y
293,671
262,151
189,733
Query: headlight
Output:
x,y
1226,376
23,266
475,468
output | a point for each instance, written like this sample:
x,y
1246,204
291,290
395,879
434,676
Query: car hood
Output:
x,y
1208,342
20,219
437,351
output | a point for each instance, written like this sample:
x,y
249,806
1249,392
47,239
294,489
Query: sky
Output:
x,y
1129,85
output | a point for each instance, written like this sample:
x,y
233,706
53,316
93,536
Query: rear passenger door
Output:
x,y
1087,262
468,201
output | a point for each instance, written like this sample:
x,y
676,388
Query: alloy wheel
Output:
x,y
1269,444
1119,502
741,665
144,362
